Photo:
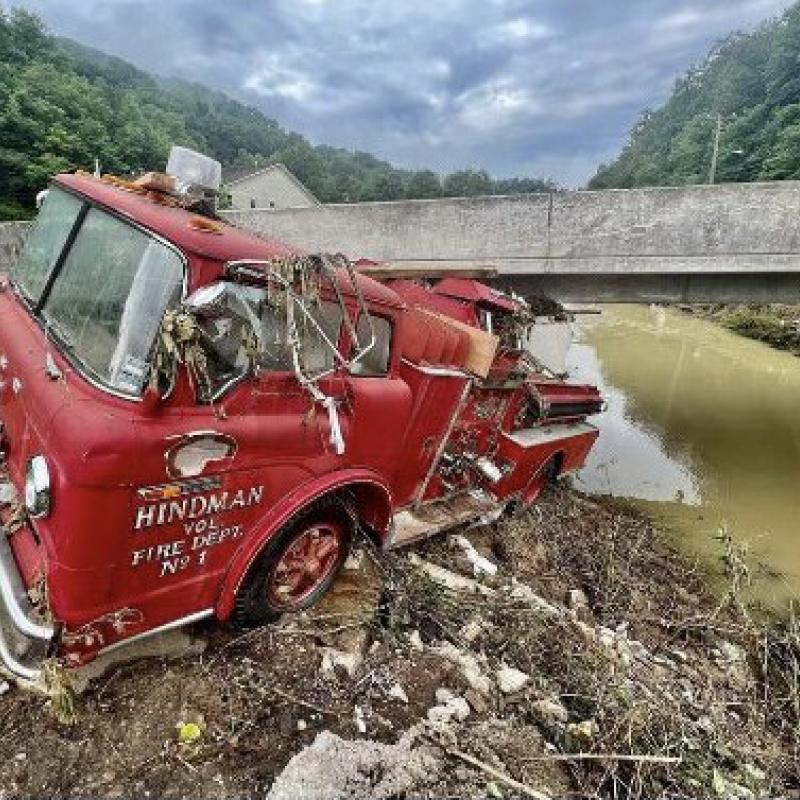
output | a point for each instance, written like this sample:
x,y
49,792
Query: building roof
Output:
x,y
230,180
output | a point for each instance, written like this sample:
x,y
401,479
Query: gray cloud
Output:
x,y
545,87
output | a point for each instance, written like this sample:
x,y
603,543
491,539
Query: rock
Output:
x,y
443,696
354,561
551,711
706,724
582,731
301,725
511,680
577,600
398,693
415,640
616,644
448,707
333,658
5,687
493,790
332,768
606,637
472,630
358,716
729,653
461,709
470,667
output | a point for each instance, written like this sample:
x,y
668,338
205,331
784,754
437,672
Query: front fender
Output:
x,y
380,509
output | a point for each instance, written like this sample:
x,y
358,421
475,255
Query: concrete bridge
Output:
x,y
728,243
725,243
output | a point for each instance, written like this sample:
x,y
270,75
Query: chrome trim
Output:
x,y
176,623
15,667
12,593
38,473
547,434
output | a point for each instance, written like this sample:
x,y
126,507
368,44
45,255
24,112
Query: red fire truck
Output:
x,y
197,421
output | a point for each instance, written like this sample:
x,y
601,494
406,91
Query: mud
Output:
x,y
606,670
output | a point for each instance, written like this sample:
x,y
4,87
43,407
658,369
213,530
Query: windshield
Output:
x,y
107,300
45,243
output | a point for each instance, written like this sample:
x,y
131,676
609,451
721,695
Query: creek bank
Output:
x,y
592,662
775,324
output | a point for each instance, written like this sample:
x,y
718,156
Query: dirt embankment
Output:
x,y
777,325
591,664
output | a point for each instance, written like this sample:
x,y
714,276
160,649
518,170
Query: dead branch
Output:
x,y
638,759
496,774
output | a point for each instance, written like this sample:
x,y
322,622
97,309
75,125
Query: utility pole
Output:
x,y
712,173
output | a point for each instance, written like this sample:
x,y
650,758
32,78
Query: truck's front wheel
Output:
x,y
297,566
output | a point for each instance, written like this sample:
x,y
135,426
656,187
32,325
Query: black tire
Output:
x,y
551,470
256,602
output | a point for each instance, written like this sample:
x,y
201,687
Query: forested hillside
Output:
x,y
753,82
63,105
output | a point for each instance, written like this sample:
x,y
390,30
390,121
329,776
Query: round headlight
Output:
x,y
37,487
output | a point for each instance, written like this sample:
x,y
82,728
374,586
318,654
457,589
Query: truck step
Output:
x,y
414,524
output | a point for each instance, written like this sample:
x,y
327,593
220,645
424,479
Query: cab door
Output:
x,y
378,400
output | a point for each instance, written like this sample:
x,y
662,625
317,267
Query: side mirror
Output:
x,y
207,301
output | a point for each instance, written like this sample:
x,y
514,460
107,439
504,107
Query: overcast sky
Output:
x,y
544,87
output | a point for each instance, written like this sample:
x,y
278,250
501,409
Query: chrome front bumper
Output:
x,y
24,642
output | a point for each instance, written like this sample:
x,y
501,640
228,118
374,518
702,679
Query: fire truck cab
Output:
x,y
197,421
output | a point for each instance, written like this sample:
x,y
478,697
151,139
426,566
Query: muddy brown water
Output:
x,y
702,430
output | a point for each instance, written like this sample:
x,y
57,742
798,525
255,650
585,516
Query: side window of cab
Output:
x,y
242,331
375,362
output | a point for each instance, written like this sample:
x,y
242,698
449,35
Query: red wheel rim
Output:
x,y
305,565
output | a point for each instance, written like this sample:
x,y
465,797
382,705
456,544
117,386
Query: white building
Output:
x,y
272,187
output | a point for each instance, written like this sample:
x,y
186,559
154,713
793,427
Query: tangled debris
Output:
x,y
776,324
591,663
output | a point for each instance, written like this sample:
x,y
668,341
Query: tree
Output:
x,y
753,82
467,183
62,105
423,184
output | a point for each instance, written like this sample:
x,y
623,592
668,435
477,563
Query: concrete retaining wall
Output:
x,y
641,230
668,244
